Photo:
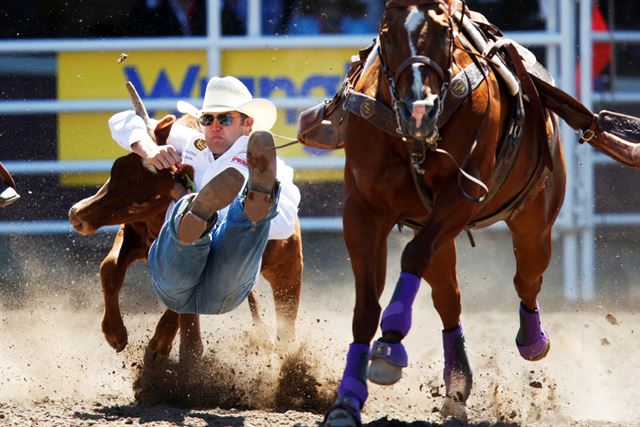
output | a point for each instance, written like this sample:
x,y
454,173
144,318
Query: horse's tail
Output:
x,y
616,135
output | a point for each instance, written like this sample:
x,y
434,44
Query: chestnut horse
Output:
x,y
443,167
137,196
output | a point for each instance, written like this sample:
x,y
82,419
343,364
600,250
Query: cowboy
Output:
x,y
8,193
208,253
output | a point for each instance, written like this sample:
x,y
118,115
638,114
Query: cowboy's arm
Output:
x,y
130,132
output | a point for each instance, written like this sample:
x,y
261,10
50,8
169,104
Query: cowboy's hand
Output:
x,y
158,156
165,156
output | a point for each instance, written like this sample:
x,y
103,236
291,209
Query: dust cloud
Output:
x,y
52,350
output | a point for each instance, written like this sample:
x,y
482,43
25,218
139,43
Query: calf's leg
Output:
x,y
126,249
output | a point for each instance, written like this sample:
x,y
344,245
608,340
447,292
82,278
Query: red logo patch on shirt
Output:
x,y
240,160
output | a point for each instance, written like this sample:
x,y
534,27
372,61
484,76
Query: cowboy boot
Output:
x,y
200,216
8,194
261,158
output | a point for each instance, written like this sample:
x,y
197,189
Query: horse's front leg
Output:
x,y
431,253
365,237
125,250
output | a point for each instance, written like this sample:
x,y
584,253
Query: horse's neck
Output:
x,y
369,81
461,58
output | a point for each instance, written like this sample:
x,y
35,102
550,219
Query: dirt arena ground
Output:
x,y
56,368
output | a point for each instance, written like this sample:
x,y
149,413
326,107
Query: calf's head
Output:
x,y
134,192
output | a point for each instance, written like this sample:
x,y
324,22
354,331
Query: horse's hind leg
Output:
x,y
531,237
445,292
532,249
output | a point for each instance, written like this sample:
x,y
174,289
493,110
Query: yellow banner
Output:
x,y
181,75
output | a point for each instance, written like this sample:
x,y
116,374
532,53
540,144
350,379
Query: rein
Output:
x,y
287,144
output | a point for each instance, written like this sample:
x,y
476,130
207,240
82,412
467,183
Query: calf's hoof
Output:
x,y
153,358
190,355
387,361
287,345
117,340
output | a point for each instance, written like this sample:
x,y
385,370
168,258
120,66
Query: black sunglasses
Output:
x,y
225,119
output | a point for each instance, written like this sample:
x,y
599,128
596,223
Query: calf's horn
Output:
x,y
139,107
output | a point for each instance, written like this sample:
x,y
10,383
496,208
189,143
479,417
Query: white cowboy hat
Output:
x,y
230,94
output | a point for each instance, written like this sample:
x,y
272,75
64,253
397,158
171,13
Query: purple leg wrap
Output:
x,y
532,340
458,377
397,315
354,379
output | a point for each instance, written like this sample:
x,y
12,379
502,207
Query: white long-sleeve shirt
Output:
x,y
127,128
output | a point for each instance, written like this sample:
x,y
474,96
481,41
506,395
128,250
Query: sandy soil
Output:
x,y
56,369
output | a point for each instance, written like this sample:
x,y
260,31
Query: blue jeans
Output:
x,y
214,274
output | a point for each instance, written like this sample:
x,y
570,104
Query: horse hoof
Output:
x,y
342,414
536,351
387,361
382,372
340,418
532,340
453,408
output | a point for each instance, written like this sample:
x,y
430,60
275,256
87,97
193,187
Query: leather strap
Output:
x,y
537,109
384,118
372,110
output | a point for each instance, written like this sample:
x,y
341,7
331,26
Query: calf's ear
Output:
x,y
163,128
